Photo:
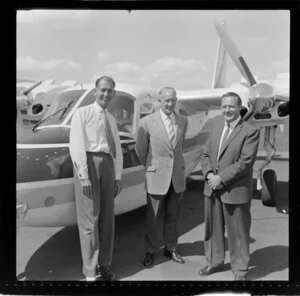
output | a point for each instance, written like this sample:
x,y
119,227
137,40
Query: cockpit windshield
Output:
x,y
61,101
121,107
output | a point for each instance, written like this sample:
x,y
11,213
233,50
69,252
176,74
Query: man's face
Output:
x,y
230,108
168,101
104,93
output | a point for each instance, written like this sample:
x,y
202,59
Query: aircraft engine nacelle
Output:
x,y
42,101
278,114
261,97
23,102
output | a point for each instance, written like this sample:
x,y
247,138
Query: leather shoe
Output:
x,y
174,256
148,260
207,270
240,278
106,273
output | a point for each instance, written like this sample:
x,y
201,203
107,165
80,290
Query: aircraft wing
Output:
x,y
282,98
208,99
198,100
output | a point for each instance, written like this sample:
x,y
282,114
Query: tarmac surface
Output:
x,y
54,253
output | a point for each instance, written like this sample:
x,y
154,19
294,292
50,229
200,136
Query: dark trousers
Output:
x,y
237,219
96,217
163,215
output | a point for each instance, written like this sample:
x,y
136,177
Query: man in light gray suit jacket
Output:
x,y
159,145
227,162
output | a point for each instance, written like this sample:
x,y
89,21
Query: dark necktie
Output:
x,y
109,136
224,139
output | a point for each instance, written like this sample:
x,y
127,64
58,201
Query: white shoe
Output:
x,y
91,278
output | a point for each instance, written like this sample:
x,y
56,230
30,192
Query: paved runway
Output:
x,y
54,253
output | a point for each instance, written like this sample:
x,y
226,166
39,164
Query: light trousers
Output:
x,y
96,216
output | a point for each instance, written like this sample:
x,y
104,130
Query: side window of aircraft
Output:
x,y
130,158
122,108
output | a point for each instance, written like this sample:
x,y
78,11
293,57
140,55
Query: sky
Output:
x,y
149,47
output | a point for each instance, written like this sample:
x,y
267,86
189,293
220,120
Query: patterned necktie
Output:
x,y
109,136
224,139
170,128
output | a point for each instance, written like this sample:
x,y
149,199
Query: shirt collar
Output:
x,y
98,108
165,116
233,123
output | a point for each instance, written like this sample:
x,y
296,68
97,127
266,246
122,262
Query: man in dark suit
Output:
x,y
159,145
227,162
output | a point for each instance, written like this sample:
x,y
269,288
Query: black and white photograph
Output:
x,y
152,145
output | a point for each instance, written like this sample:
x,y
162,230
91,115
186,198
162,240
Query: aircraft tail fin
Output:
x,y
219,78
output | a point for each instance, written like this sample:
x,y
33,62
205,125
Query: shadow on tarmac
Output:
x,y
267,260
281,197
59,258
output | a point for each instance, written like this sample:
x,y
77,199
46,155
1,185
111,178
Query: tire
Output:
x,y
269,184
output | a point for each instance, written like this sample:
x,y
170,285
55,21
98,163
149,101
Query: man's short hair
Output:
x,y
105,78
167,88
235,95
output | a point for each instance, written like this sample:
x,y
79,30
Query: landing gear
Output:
x,y
267,181
268,190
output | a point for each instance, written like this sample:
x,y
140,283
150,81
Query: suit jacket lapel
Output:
x,y
232,135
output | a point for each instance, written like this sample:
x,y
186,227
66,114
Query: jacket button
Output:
x,y
171,155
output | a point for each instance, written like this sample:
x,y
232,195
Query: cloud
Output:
x,y
102,56
175,66
173,71
71,19
124,67
28,63
282,64
283,76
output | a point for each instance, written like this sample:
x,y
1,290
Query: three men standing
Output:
x,y
98,162
159,145
227,162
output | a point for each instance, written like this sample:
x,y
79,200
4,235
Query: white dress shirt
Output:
x,y
232,125
88,134
165,119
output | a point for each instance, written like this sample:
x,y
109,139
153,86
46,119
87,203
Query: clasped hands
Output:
x,y
87,187
214,181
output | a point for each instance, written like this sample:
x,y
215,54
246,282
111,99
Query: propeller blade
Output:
x,y
32,87
234,53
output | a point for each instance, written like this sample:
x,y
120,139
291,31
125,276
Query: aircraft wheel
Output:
x,y
268,191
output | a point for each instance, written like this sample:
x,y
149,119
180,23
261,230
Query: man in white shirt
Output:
x,y
98,162
159,145
227,163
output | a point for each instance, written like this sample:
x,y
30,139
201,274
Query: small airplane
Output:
x,y
45,191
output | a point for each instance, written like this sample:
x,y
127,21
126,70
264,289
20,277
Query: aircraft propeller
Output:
x,y
261,95
32,87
